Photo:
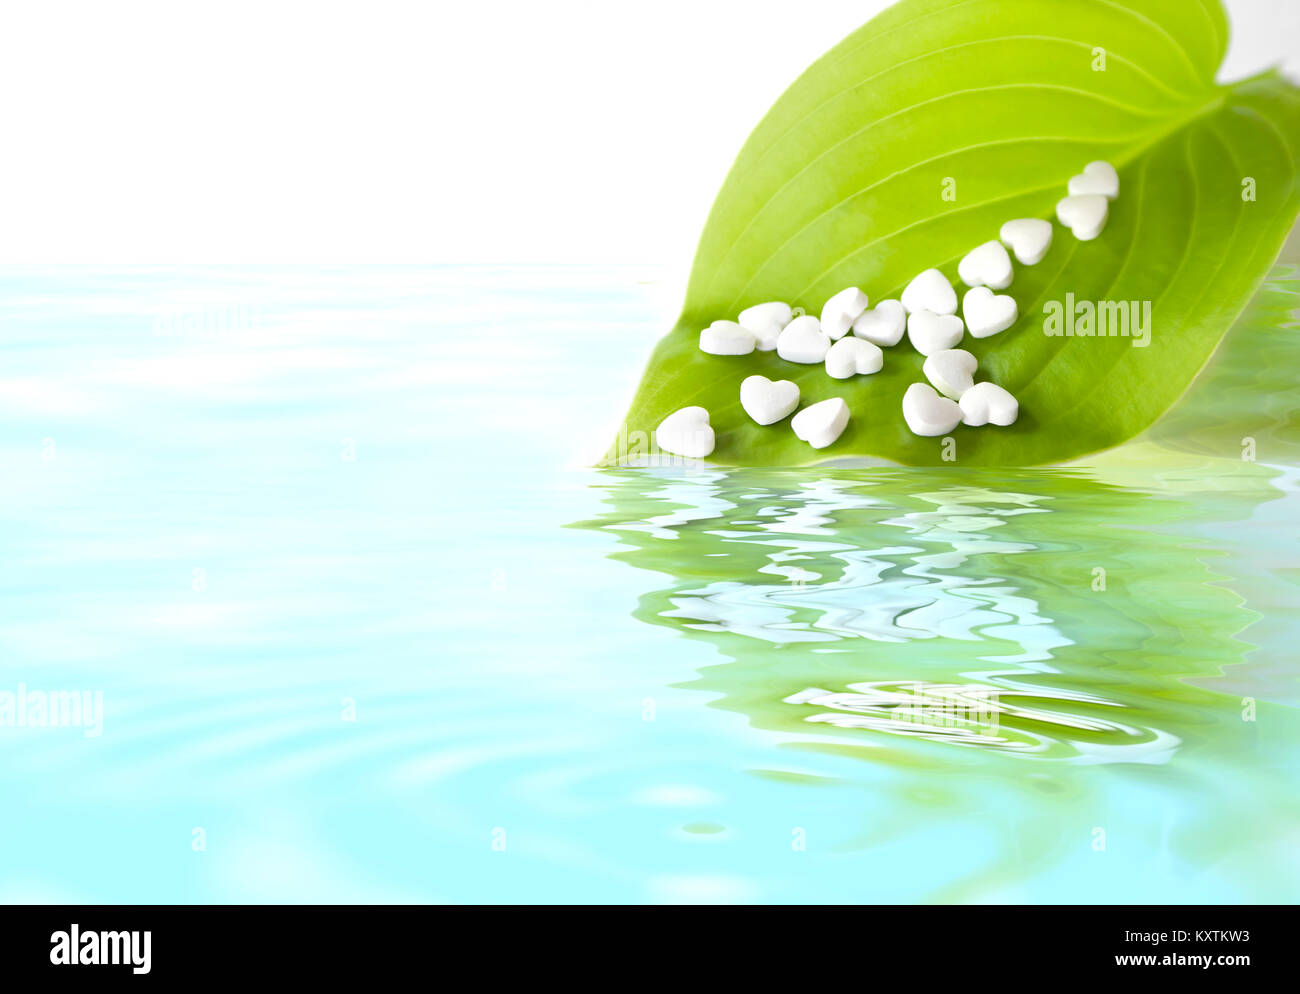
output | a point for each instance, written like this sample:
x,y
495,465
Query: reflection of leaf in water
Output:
x,y
944,578
921,581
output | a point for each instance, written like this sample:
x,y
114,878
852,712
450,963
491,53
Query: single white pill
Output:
x,y
986,265
988,403
686,432
929,332
883,325
765,322
822,423
841,311
987,313
930,291
1028,237
726,338
853,357
1085,215
803,340
928,414
768,401
952,371
1097,178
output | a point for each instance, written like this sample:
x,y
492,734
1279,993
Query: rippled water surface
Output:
x,y
365,629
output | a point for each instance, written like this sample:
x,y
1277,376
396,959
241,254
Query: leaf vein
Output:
x,y
1160,29
771,198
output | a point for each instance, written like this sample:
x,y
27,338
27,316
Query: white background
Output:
x,y
473,131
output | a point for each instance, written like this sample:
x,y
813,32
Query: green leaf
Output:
x,y
841,184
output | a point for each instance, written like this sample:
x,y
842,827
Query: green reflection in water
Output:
x,y
1038,650
1065,601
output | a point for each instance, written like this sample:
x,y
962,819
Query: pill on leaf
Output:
x,y
765,322
987,313
930,291
928,414
929,332
988,403
686,432
803,340
1084,214
1028,237
841,311
952,371
822,423
987,265
1097,178
768,401
853,357
726,338
883,325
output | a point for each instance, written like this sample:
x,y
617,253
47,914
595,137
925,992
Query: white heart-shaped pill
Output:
x,y
841,311
726,338
987,265
765,322
952,371
686,432
822,423
930,291
929,332
803,340
1085,215
853,357
1097,178
883,325
1028,237
987,313
986,403
768,401
928,414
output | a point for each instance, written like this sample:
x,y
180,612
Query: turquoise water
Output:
x,y
366,628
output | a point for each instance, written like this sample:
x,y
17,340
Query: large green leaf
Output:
x,y
841,184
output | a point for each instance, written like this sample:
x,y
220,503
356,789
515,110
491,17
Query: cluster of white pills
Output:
x,y
926,312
